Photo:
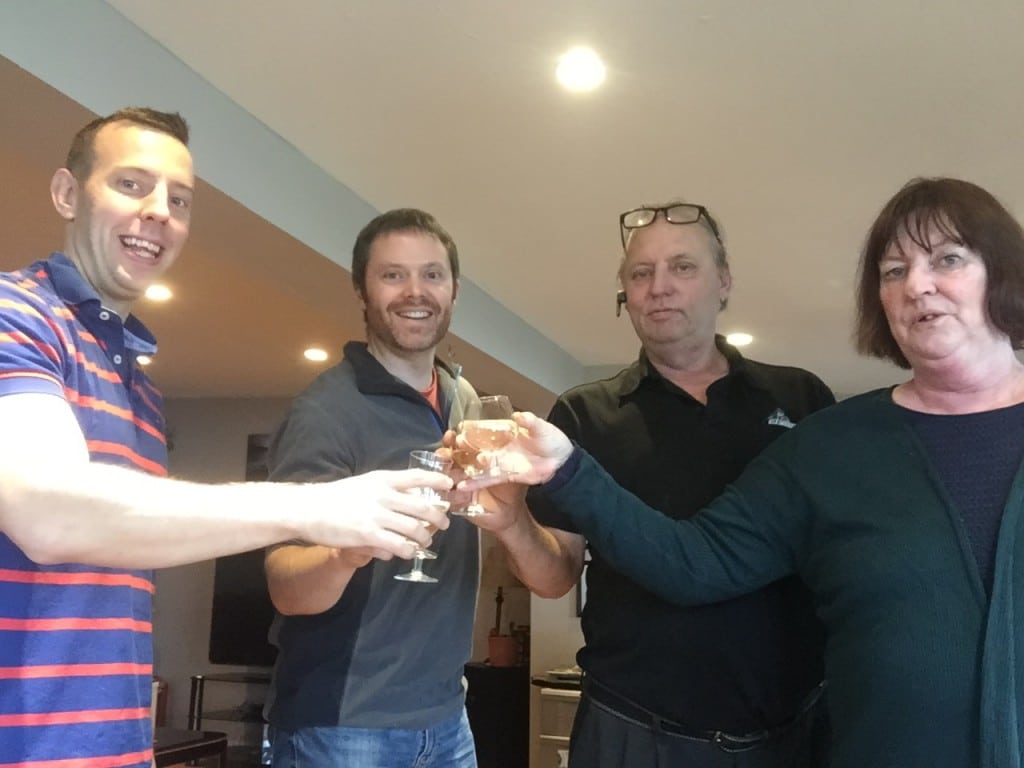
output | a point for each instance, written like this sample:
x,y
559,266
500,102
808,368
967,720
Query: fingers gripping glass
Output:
x,y
465,458
681,213
487,426
430,461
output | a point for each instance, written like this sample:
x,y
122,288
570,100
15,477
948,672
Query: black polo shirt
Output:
x,y
739,666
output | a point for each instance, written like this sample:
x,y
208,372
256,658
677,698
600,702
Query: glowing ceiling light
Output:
x,y
580,69
144,359
739,339
157,292
315,354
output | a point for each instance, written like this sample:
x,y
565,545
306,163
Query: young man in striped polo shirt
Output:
x,y
86,508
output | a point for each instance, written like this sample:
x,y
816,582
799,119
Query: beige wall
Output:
x,y
209,445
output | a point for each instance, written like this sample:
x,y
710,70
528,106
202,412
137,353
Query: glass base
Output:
x,y
416,576
473,510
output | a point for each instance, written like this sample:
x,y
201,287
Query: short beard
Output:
x,y
382,333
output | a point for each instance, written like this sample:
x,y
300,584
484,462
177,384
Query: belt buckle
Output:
x,y
729,743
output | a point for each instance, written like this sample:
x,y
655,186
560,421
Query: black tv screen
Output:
x,y
242,611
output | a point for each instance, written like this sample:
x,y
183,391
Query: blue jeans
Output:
x,y
446,745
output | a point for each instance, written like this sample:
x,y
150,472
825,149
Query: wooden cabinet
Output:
x,y
557,709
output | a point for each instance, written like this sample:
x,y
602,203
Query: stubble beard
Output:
x,y
381,332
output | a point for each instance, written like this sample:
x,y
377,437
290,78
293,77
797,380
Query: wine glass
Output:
x,y
488,426
465,458
432,462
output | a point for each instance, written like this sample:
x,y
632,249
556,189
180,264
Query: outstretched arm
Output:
x,y
57,506
547,560
725,551
304,580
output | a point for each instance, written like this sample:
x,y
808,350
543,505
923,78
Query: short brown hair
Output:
x,y
399,220
965,214
80,155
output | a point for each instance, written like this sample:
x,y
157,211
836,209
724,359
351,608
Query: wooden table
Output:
x,y
171,746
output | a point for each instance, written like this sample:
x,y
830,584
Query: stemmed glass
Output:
x,y
488,426
432,462
465,458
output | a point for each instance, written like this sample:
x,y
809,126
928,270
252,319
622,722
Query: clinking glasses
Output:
x,y
680,213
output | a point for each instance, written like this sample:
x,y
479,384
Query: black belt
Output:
x,y
630,710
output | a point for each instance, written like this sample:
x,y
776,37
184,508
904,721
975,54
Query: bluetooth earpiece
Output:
x,y
620,299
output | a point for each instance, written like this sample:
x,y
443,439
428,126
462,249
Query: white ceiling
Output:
x,y
238,320
792,120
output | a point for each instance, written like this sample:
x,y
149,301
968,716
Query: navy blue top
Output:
x,y
976,456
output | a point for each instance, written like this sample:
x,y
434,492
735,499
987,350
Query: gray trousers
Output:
x,y
602,738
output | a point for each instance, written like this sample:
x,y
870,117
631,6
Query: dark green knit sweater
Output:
x,y
921,668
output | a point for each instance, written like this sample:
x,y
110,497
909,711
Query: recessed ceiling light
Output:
x,y
580,69
158,292
739,339
315,354
144,359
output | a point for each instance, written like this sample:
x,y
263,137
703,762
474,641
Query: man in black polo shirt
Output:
x,y
731,684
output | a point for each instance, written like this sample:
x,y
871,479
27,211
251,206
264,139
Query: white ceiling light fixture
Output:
x,y
144,359
739,339
315,354
158,292
580,70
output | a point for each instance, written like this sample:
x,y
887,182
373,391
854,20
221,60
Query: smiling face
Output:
x,y
934,301
674,287
129,218
409,294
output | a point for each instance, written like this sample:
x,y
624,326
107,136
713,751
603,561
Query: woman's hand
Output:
x,y
535,454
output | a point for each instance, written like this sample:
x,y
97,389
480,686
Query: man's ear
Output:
x,y
361,299
64,193
725,286
455,290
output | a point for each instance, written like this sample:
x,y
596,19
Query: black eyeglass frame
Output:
x,y
701,211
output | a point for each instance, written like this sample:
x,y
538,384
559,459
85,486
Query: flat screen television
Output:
x,y
242,611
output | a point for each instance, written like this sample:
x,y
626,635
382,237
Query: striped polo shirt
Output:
x,y
76,653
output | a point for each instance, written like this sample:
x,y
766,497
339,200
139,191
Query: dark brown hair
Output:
x,y
967,215
399,220
80,155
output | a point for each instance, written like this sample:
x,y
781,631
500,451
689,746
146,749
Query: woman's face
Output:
x,y
934,301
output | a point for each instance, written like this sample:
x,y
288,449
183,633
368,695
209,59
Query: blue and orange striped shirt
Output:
x,y
76,653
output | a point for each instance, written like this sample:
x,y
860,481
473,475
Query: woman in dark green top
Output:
x,y
901,508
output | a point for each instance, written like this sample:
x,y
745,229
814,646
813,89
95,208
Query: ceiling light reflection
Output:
x,y
580,69
315,354
158,292
739,339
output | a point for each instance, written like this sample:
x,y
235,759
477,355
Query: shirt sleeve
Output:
x,y
823,397
540,505
33,346
305,450
732,547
